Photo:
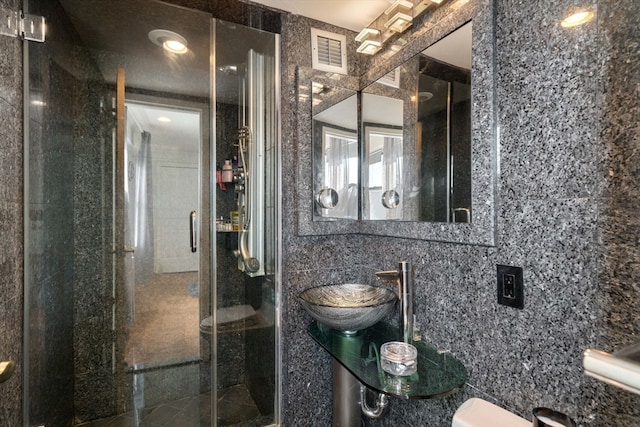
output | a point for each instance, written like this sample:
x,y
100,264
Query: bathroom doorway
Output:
x,y
161,208
140,306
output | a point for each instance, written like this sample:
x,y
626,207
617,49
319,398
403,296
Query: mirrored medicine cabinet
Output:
x,y
416,136
336,162
413,153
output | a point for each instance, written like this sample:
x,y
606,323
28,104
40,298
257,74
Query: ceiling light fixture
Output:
x,y
174,46
400,15
577,18
317,88
369,39
369,47
397,18
367,33
164,119
170,41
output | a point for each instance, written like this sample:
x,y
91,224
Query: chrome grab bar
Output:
x,y
193,231
251,264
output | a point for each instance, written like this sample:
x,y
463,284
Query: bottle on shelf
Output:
x,y
227,171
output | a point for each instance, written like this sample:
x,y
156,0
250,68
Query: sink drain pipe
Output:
x,y
350,399
346,402
381,403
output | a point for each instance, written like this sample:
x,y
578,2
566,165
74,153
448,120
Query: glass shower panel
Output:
x,y
99,307
247,95
126,285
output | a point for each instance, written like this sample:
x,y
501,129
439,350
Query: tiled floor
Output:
x,y
181,413
235,408
166,331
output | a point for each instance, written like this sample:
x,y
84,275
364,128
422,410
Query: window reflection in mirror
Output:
x,y
433,99
335,153
383,157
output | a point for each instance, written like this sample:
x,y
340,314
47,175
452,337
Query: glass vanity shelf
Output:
x,y
439,373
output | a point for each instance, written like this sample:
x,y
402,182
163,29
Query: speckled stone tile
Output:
x,y
566,208
547,90
618,97
11,223
11,156
577,250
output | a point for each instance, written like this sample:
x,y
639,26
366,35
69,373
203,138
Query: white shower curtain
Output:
x,y
341,175
143,212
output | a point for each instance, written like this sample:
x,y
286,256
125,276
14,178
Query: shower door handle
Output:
x,y
124,250
193,231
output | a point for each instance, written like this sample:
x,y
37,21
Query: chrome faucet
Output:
x,y
403,276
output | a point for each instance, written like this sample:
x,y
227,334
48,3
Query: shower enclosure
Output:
x,y
150,282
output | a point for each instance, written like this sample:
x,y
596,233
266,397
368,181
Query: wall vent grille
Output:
x,y
392,78
329,51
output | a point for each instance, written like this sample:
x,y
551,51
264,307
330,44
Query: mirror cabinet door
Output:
x,y
335,152
383,156
426,136
416,124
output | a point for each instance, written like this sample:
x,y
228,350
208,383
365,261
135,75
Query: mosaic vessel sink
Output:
x,y
348,307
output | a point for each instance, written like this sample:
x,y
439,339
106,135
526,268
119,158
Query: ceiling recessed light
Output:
x,y
577,18
425,96
170,41
164,119
174,46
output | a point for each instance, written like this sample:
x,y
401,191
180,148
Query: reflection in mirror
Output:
x,y
335,152
444,117
383,157
428,164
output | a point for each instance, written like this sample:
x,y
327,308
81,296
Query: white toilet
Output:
x,y
480,413
226,315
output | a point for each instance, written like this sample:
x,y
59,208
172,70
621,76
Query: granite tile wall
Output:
x,y
69,250
11,223
568,201
50,230
567,192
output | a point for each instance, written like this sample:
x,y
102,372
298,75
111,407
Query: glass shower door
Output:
x,y
246,274
139,310
95,347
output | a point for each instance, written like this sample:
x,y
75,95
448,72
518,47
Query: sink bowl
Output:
x,y
348,307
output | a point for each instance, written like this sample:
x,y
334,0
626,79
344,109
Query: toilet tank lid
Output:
x,y
477,412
